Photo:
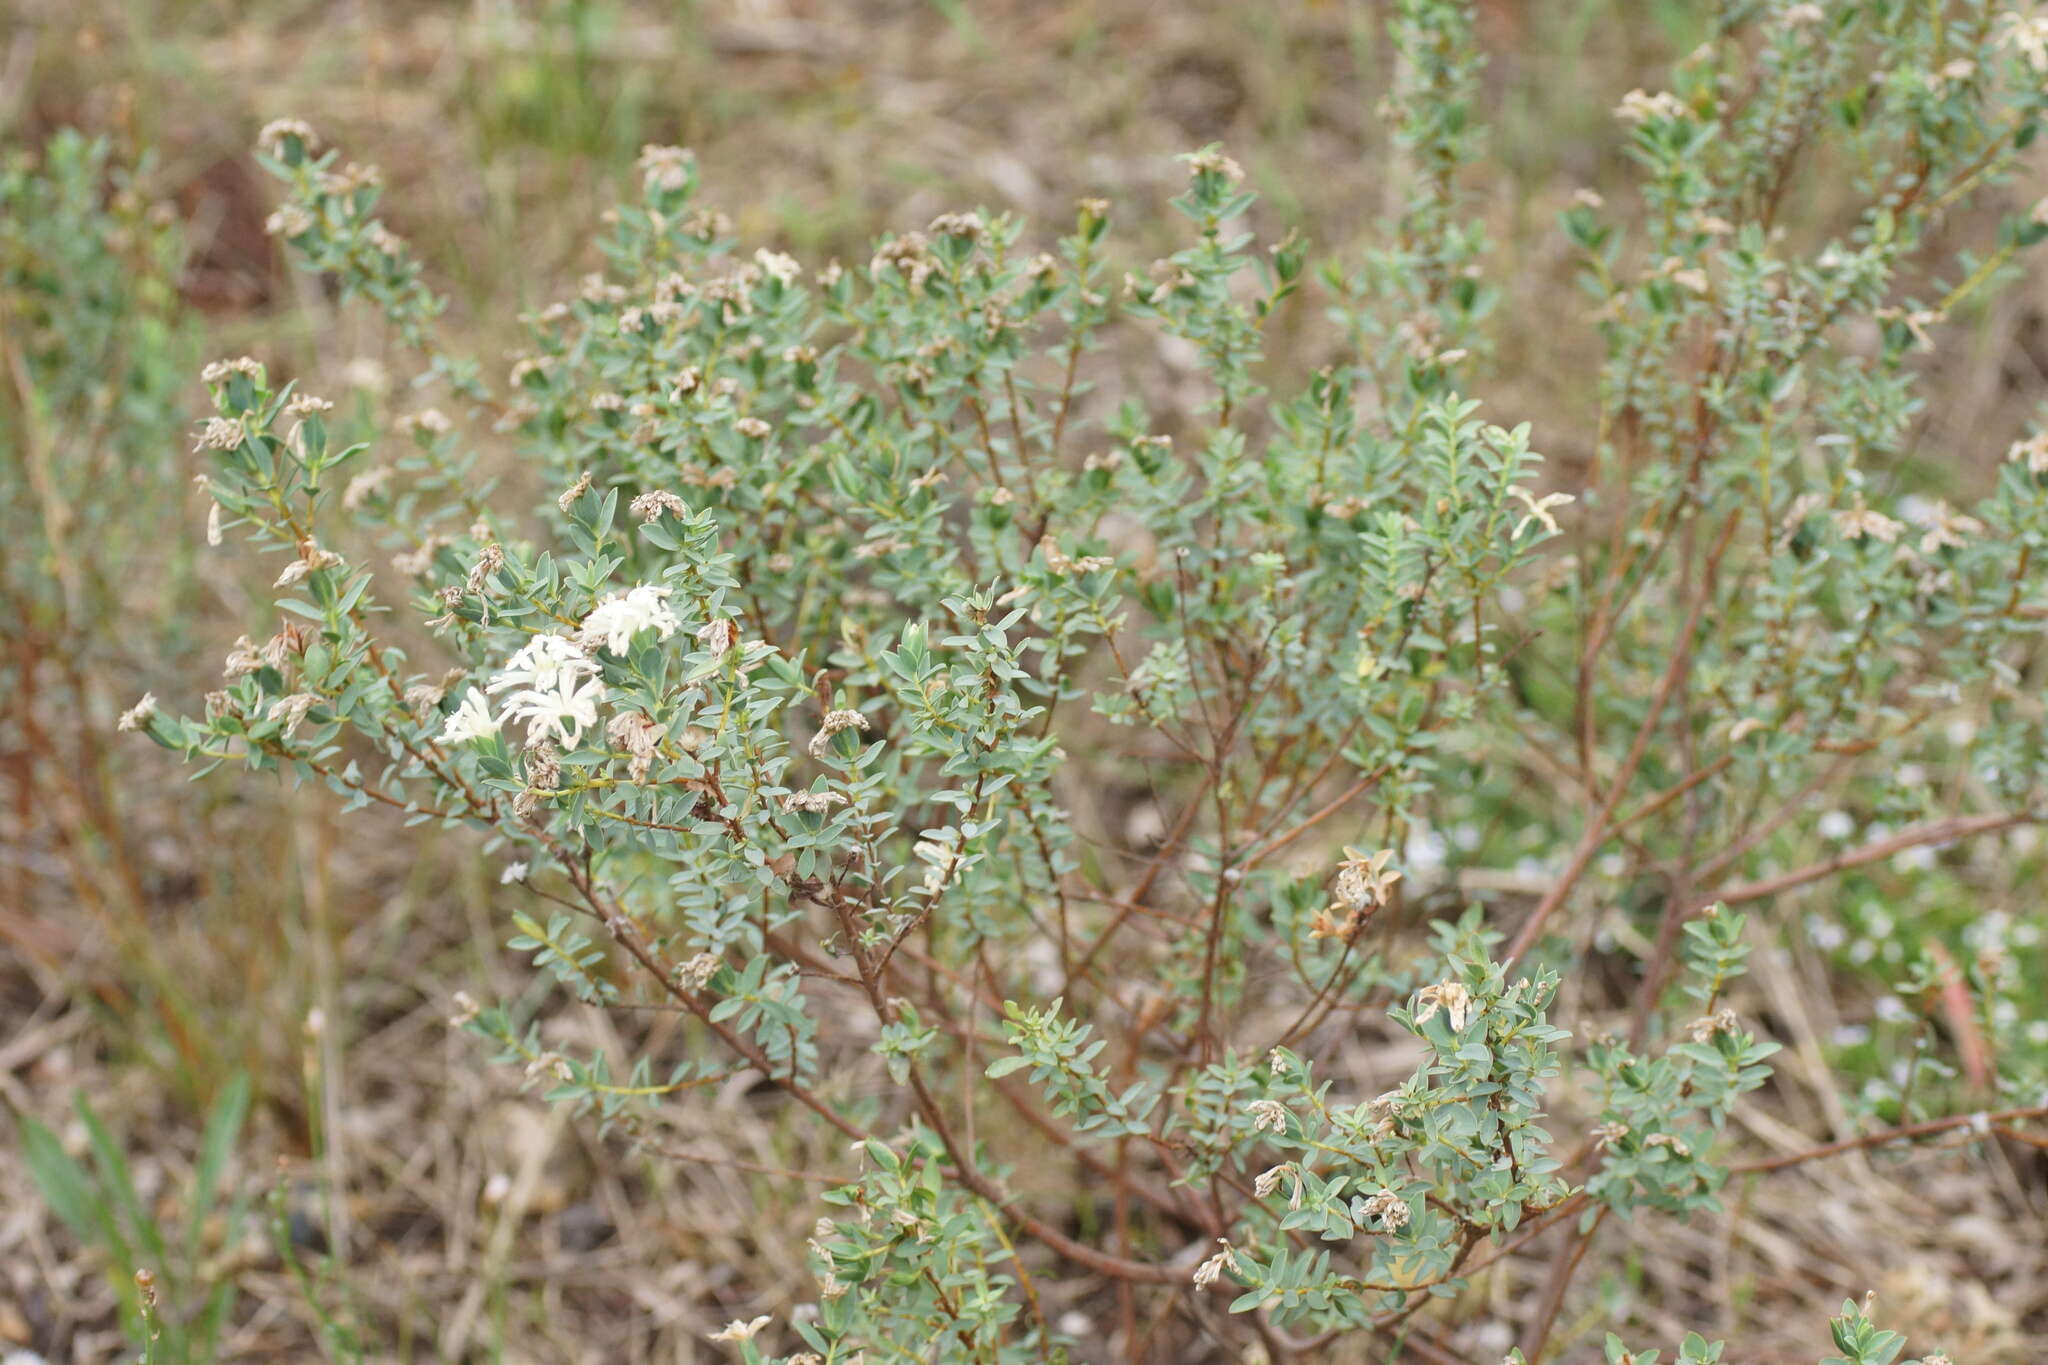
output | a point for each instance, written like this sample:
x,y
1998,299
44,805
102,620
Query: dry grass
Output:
x,y
263,934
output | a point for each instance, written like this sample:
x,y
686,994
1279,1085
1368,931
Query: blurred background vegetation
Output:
x,y
222,1023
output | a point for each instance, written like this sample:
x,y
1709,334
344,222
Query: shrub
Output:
x,y
912,682
94,350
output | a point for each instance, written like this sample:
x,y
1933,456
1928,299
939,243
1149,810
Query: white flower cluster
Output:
x,y
553,680
554,687
616,620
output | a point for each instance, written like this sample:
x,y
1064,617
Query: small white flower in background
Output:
x,y
1539,510
834,722
568,496
695,974
242,660
1919,859
783,268
1390,1208
1425,852
1062,563
1211,1270
489,560
1800,15
1710,1026
289,711
718,636
1454,998
2029,34
618,618
1861,522
753,428
1268,1114
650,505
427,421
1675,1143
940,861
640,737
1948,528
367,374
290,220
563,712
1363,880
470,720
218,370
137,716
466,1009
219,433
363,487
2033,452
666,168
412,563
737,1331
311,557
514,872
1835,825
1640,107
271,140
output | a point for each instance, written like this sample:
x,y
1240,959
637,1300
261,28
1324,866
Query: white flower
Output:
x,y
815,802
290,220
940,859
137,716
563,710
695,974
2029,34
471,720
1539,510
1861,522
718,635
1390,1208
1453,997
834,722
1638,106
737,1331
545,662
783,268
217,371
1363,881
219,433
514,872
666,168
616,620
271,140
1211,1270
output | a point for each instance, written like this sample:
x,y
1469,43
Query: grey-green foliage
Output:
x,y
95,366
867,585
